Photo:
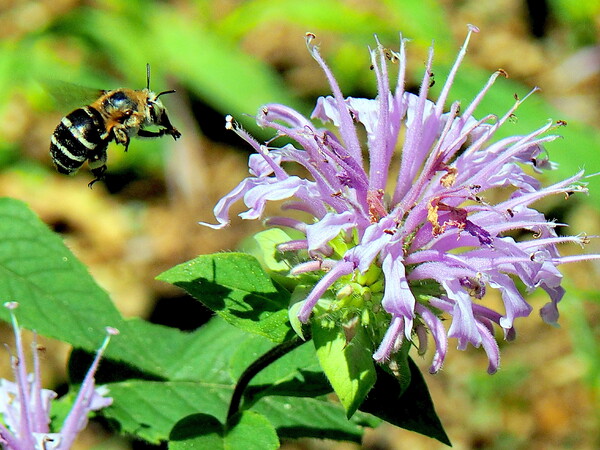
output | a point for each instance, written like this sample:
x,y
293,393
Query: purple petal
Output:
x,y
390,340
439,336
491,348
341,269
464,326
549,311
320,233
398,299
88,399
515,304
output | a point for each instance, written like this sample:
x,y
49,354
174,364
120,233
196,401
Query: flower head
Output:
x,y
25,406
406,226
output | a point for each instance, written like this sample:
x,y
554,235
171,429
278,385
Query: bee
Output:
x,y
120,114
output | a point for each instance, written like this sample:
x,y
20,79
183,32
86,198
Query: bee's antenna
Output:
x,y
148,76
166,92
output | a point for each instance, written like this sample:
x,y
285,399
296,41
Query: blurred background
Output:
x,y
231,56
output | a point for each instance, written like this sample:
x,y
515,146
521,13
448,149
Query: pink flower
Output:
x,y
421,216
25,405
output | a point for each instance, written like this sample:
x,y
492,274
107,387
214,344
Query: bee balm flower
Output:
x,y
406,228
25,406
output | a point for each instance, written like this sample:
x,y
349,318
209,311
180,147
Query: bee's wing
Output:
x,y
68,96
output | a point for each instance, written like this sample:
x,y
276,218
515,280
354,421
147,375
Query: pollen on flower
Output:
x,y
503,72
449,177
376,208
229,122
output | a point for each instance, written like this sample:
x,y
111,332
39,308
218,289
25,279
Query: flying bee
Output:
x,y
116,115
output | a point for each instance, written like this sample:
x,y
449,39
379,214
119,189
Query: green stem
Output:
x,y
263,361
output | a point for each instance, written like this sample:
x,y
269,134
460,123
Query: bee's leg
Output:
x,y
173,132
152,134
121,137
146,133
99,174
97,163
169,128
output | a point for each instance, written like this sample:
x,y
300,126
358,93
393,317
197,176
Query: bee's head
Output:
x,y
156,113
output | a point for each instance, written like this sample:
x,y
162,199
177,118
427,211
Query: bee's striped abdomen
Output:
x,y
78,134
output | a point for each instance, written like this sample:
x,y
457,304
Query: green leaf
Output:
x,y
411,408
248,432
197,431
263,245
348,365
236,287
296,374
58,298
150,410
295,417
200,382
299,294
56,294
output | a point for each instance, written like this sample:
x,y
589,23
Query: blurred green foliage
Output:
x,y
584,331
580,17
200,46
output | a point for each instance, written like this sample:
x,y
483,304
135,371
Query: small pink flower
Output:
x,y
25,406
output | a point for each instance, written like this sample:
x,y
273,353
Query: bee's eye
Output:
x,y
152,110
